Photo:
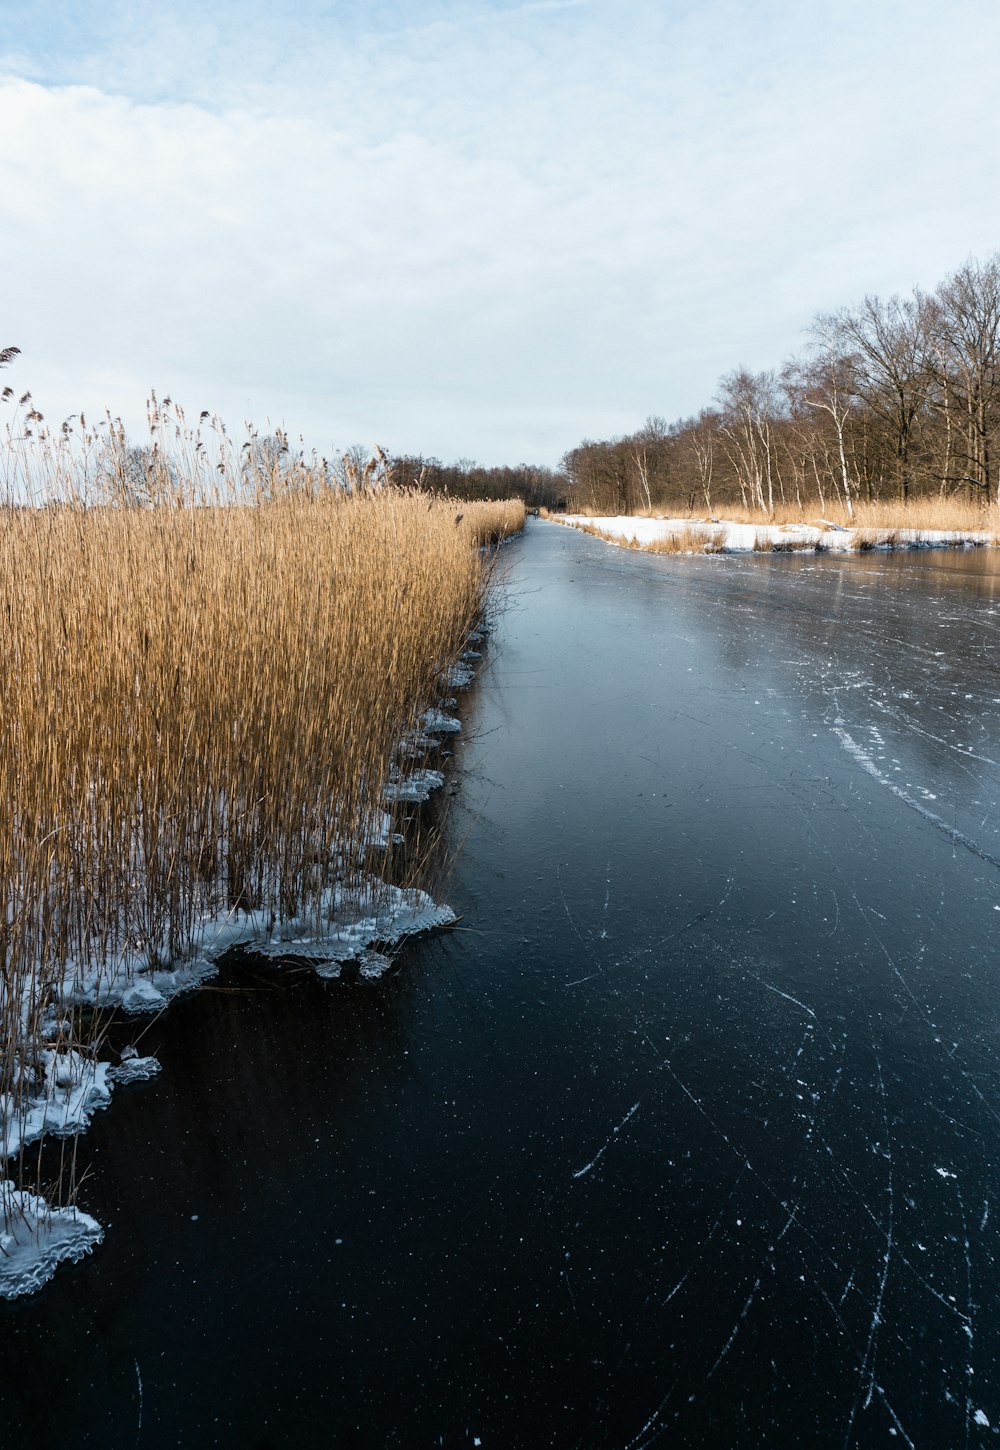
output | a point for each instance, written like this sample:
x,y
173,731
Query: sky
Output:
x,y
485,229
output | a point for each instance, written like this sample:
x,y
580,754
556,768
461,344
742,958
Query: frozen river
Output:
x,y
688,1136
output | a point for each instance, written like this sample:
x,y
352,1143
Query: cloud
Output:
x,y
479,229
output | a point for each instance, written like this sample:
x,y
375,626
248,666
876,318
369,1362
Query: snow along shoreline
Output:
x,y
60,1093
720,536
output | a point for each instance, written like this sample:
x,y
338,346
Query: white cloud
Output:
x,y
476,229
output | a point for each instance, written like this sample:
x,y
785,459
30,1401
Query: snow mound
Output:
x,y
417,744
134,1069
436,722
347,920
72,1089
356,918
414,787
374,965
377,829
133,983
459,676
35,1239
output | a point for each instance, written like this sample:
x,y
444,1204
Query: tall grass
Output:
x,y
925,513
206,670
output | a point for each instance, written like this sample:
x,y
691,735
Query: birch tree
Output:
x,y
885,345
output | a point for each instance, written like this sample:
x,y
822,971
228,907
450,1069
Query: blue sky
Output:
x,y
478,229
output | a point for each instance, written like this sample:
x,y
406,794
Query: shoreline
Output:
x,y
672,535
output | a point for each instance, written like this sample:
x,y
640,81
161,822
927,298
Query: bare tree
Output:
x,y
749,408
648,448
703,433
824,383
886,347
965,327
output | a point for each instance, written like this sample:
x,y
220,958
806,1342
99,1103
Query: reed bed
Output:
x,y
681,541
687,540
206,671
954,515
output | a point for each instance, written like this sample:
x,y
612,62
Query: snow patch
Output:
x,y
354,919
374,965
71,1089
436,722
459,676
35,1239
414,787
134,1069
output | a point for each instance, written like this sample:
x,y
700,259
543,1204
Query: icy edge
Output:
x,y
36,1238
61,1099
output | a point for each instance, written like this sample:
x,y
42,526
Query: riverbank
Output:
x,y
660,535
223,712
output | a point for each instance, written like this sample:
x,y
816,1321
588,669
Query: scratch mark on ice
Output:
x,y
569,1288
779,993
736,1329
607,901
581,1172
138,1378
970,1309
867,764
867,1367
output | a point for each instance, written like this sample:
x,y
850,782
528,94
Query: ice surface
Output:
x,y
35,1239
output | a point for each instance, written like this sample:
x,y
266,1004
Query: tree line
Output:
x,y
891,399
536,486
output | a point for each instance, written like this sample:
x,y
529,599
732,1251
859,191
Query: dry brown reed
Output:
x,y
686,541
680,541
926,513
206,665
952,514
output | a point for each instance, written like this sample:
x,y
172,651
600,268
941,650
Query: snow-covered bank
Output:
x,y
59,1095
719,536
350,918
